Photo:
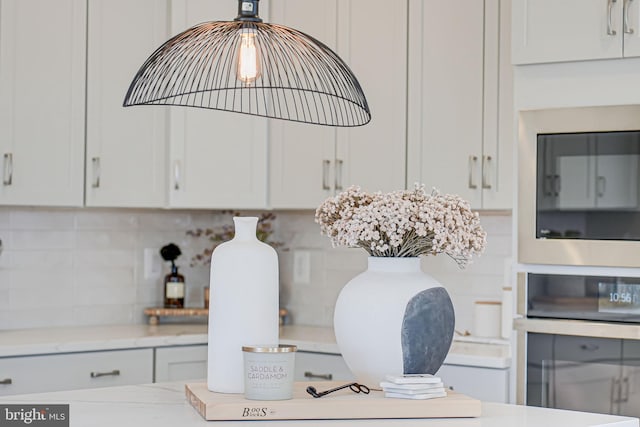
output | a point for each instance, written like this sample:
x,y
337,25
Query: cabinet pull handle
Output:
x,y
557,185
95,162
339,164
612,396
472,161
610,30
6,381
624,395
602,186
8,169
485,172
626,26
176,175
309,374
589,347
325,174
114,373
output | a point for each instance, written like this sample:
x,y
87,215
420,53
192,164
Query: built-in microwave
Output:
x,y
579,186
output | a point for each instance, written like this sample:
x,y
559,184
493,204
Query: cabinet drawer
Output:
x,y
487,384
321,366
34,374
181,363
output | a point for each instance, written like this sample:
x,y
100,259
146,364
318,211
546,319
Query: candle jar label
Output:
x,y
268,372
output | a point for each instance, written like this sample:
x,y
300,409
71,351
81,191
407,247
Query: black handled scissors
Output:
x,y
354,387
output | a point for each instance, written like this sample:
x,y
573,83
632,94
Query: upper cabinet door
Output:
x,y
445,96
567,30
631,28
126,147
302,156
42,101
372,39
217,159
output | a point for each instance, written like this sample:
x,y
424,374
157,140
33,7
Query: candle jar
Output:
x,y
268,372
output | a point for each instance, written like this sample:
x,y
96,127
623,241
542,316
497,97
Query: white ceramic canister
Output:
x,y
268,371
488,319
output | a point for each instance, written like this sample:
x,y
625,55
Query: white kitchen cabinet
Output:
x,y
180,363
310,366
486,384
42,101
309,163
217,159
34,374
574,30
126,147
460,118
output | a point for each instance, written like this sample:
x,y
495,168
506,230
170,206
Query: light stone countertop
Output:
x,y
165,405
306,338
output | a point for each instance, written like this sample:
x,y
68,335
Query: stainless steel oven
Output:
x,y
583,342
579,186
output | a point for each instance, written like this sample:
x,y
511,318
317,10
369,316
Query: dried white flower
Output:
x,y
406,223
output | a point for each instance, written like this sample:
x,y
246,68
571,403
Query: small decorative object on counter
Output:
x,y
487,319
394,317
244,304
174,285
268,372
417,387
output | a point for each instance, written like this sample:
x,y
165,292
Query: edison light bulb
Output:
x,y
248,67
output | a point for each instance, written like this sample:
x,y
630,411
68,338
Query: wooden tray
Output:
x,y
343,404
156,312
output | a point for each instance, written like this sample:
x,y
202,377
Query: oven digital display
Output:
x,y
619,298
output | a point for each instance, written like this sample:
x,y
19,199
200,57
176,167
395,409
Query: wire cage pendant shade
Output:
x,y
251,67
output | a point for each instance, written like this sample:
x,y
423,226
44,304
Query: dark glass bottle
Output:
x,y
174,288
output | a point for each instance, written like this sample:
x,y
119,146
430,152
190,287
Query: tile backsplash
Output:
x,y
85,266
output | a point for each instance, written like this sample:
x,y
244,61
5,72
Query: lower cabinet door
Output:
x,y
321,367
181,363
486,384
68,371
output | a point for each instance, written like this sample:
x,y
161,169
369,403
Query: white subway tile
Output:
x,y
54,296
42,259
41,239
89,277
151,221
38,219
107,295
105,259
88,219
41,317
103,314
36,280
105,239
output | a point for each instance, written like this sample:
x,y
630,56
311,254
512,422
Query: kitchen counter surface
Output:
x,y
164,405
307,338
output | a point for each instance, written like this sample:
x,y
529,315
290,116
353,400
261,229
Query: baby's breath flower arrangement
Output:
x,y
405,223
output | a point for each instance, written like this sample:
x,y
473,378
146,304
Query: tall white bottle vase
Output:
x,y
243,306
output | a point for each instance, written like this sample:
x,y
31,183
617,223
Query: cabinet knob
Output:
x,y
6,381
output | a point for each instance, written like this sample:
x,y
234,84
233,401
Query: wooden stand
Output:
x,y
155,313
343,404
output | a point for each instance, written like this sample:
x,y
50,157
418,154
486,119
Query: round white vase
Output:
x,y
243,304
393,319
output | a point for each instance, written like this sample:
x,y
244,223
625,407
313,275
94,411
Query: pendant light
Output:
x,y
251,67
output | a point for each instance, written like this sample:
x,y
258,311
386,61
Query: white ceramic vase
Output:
x,y
393,319
243,305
